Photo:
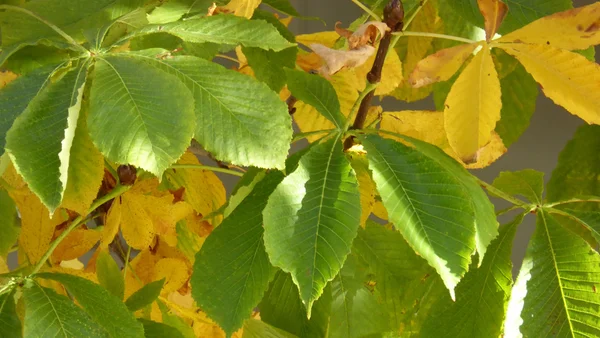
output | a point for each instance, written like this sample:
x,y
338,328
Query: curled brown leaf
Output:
x,y
335,60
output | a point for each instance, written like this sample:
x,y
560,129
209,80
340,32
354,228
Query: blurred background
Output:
x,y
550,129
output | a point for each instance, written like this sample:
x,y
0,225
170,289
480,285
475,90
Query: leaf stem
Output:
x,y
574,200
112,171
47,23
366,9
435,35
126,262
206,167
369,88
301,136
226,57
412,17
117,191
501,194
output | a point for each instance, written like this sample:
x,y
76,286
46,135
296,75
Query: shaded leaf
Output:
x,y
430,207
284,6
174,10
493,12
282,307
482,315
312,218
144,296
10,324
76,244
107,310
243,8
254,328
9,229
569,79
154,329
138,114
109,274
232,270
50,314
527,183
223,29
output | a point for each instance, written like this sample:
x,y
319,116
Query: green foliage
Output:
x,y
118,119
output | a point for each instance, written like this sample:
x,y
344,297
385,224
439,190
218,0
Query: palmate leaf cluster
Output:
x,y
373,229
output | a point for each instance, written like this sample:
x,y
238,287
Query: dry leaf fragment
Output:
x,y
335,60
366,34
494,12
211,9
441,65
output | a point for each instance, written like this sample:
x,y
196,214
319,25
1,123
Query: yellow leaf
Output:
x,y
493,12
76,244
473,107
392,70
86,170
37,228
7,77
569,79
307,117
136,225
204,191
73,268
577,28
243,8
417,47
379,210
441,65
174,271
3,266
111,224
428,126
366,186
326,39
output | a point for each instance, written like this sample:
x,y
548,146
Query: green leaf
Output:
x,y
232,270
318,92
519,94
109,275
144,296
283,6
139,115
48,314
9,229
482,295
223,29
428,204
355,310
10,325
113,31
104,308
406,283
563,272
582,222
188,242
254,328
282,308
57,105
233,112
15,97
174,10
312,218
154,329
527,183
576,174
175,321
268,66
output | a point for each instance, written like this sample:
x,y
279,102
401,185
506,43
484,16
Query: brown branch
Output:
x,y
393,16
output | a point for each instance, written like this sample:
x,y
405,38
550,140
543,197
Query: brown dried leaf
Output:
x,y
366,34
335,60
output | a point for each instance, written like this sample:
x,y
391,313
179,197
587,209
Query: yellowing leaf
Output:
x,y
569,79
335,60
366,186
111,224
204,191
136,225
7,77
473,107
417,47
37,228
174,271
326,39
379,210
243,8
307,117
493,12
441,65
428,126
392,70
76,244
577,28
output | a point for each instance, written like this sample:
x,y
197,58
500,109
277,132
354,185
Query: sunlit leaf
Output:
x,y
441,65
174,10
232,270
312,218
366,186
569,79
469,122
527,183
